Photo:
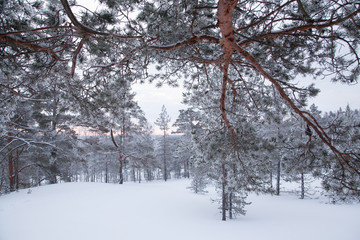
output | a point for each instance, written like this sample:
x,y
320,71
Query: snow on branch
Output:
x,y
88,30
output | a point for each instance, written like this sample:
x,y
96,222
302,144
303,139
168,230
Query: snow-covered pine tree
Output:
x,y
344,128
224,157
163,123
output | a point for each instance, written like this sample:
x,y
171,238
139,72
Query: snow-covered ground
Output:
x,y
158,210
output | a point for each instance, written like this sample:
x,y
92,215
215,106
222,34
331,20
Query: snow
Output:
x,y
159,210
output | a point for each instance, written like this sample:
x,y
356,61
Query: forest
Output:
x,y
68,112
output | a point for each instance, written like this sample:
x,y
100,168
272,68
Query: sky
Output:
x,y
333,96
150,98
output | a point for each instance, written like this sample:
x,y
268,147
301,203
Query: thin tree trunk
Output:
x,y
165,167
11,164
37,177
302,186
223,184
133,174
121,168
187,168
139,174
2,178
11,173
54,153
271,177
278,178
106,171
17,169
122,147
230,206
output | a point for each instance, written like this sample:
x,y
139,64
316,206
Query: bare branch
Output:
x,y
190,41
76,53
113,139
265,17
303,28
8,39
303,11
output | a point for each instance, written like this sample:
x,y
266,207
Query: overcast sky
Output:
x,y
151,99
332,96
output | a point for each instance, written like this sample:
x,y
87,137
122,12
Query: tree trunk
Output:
x,y
278,178
165,165
106,171
186,169
230,206
224,15
53,173
223,185
53,155
11,172
133,174
302,186
121,169
139,174
11,163
124,175
17,169
2,179
271,180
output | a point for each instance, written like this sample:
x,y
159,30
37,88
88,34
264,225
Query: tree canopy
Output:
x,y
235,50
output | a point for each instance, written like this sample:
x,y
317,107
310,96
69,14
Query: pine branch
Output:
x,y
87,30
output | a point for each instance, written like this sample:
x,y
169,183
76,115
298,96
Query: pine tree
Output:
x,y
345,132
163,122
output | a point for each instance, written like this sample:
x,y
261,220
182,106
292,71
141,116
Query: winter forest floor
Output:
x,y
158,210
